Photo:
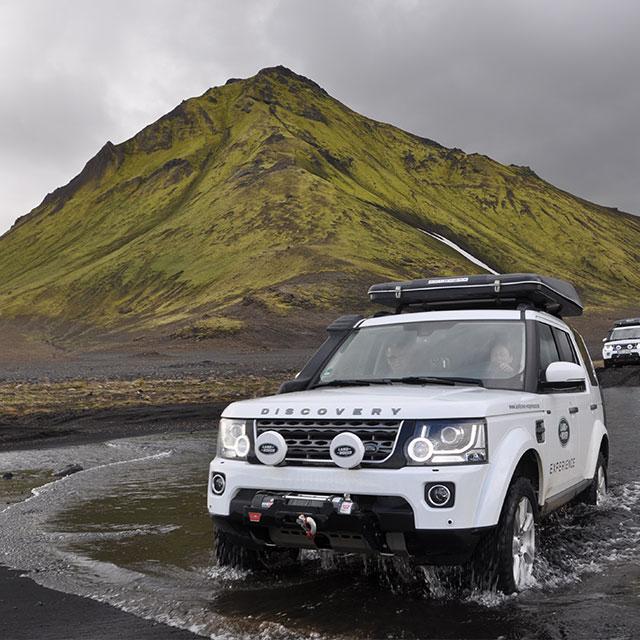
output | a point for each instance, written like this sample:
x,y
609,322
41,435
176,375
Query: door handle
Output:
x,y
593,407
573,409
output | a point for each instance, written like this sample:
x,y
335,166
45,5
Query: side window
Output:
x,y
565,348
548,349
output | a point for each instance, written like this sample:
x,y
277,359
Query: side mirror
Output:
x,y
564,374
604,339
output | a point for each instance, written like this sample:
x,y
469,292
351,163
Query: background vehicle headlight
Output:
x,y
233,441
452,442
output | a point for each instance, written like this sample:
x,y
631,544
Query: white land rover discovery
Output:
x,y
441,430
622,344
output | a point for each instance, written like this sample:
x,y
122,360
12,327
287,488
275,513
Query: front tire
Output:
x,y
516,546
505,559
596,493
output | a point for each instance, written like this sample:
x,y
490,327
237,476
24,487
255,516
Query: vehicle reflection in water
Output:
x,y
139,535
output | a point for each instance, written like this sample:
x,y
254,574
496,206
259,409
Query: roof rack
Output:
x,y
504,291
628,322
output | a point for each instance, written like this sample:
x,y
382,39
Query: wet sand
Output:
x,y
63,429
29,611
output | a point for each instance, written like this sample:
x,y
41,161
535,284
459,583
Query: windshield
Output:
x,y
625,333
493,352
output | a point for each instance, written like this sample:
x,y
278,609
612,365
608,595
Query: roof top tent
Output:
x,y
629,322
504,291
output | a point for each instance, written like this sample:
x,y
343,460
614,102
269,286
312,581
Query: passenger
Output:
x,y
500,362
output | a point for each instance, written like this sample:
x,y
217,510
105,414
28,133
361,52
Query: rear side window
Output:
x,y
565,348
548,349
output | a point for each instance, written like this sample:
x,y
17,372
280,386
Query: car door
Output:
x,y
580,408
562,421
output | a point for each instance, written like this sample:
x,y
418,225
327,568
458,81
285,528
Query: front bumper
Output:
x,y
407,484
621,357
363,534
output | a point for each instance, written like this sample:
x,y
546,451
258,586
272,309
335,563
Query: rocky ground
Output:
x,y
49,401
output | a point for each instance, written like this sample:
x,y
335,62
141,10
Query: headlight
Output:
x,y
233,441
608,347
436,442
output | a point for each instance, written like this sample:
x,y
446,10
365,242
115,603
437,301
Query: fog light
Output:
x,y
440,494
218,483
420,449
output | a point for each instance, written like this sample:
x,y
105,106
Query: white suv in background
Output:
x,y
622,345
441,431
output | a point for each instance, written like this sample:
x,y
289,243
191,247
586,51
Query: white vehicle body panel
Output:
x,y
512,419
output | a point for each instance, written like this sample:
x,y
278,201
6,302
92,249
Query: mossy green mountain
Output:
x,y
268,196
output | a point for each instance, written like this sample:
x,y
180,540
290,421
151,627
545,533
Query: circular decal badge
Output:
x,y
271,448
346,450
564,432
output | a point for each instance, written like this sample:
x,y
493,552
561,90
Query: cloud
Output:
x,y
547,84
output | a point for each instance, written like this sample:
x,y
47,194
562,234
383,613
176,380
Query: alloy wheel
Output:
x,y
523,543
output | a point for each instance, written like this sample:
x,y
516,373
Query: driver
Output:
x,y
398,358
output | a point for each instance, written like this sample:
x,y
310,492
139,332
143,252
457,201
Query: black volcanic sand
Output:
x,y
158,361
62,429
626,376
29,611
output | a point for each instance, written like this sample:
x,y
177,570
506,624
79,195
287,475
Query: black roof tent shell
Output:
x,y
629,322
504,291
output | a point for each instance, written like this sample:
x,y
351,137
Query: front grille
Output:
x,y
308,440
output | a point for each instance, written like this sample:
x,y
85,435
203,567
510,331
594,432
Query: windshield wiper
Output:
x,y
348,383
449,380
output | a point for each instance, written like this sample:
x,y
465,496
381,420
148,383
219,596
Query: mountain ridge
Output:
x,y
269,195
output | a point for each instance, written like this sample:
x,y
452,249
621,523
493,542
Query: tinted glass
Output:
x,y
565,348
548,349
493,351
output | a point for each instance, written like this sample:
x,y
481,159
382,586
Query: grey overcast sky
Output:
x,y
553,85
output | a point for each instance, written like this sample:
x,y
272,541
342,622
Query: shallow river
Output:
x,y
132,530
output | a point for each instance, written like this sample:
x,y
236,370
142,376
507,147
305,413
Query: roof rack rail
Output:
x,y
503,291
